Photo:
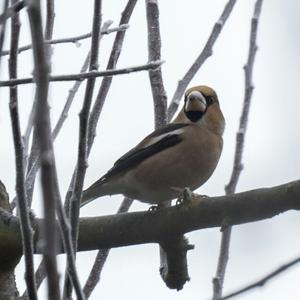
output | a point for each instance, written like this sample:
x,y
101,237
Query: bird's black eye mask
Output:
x,y
196,115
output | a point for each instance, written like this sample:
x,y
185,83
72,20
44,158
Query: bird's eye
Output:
x,y
209,100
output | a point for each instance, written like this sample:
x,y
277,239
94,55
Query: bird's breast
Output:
x,y
190,163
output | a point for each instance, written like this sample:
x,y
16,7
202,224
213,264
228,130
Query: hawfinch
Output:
x,y
182,154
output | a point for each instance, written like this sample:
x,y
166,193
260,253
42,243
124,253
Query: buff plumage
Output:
x,y
182,154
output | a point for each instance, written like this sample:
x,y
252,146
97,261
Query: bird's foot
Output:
x,y
153,208
186,197
203,196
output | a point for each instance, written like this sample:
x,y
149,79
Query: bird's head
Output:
x,y
201,107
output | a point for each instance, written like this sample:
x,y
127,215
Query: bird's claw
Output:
x,y
186,197
153,208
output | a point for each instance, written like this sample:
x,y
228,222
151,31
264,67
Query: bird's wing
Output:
x,y
154,143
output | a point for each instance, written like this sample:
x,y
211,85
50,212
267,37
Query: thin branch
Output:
x,y
42,125
27,134
74,89
11,11
155,76
72,93
94,276
261,282
41,273
3,27
72,40
102,255
107,80
81,164
50,189
83,124
204,55
50,15
173,263
240,140
31,173
26,229
92,74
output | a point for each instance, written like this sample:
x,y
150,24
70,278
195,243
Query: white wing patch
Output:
x,y
156,139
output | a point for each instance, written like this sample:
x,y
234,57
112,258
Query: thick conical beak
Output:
x,y
195,102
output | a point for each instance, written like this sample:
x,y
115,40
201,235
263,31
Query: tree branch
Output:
x,y
8,288
173,260
102,254
81,164
43,131
72,40
261,282
203,56
26,229
240,141
11,11
82,76
3,27
101,257
134,228
155,76
34,157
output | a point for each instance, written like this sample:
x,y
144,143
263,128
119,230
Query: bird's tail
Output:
x,y
96,190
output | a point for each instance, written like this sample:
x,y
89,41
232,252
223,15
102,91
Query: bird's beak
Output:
x,y
196,102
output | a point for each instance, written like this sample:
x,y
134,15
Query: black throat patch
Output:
x,y
194,116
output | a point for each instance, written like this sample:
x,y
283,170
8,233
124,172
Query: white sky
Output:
x,y
272,146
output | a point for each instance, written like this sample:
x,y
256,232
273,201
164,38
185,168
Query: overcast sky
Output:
x,y
272,150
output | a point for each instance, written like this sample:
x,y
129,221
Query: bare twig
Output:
x,y
50,14
107,80
26,229
31,173
3,27
72,40
42,125
98,265
173,264
240,140
12,10
83,132
261,282
92,74
81,164
205,53
101,257
40,273
102,254
48,170
27,134
155,76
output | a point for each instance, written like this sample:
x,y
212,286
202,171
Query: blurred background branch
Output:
x,y
230,188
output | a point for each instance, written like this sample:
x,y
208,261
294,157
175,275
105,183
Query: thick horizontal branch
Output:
x,y
82,76
153,226
148,227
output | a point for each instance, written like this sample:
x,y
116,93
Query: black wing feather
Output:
x,y
136,156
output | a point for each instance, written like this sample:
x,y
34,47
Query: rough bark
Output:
x,y
11,253
154,226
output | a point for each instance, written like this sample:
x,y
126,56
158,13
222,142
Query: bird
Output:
x,y
182,154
